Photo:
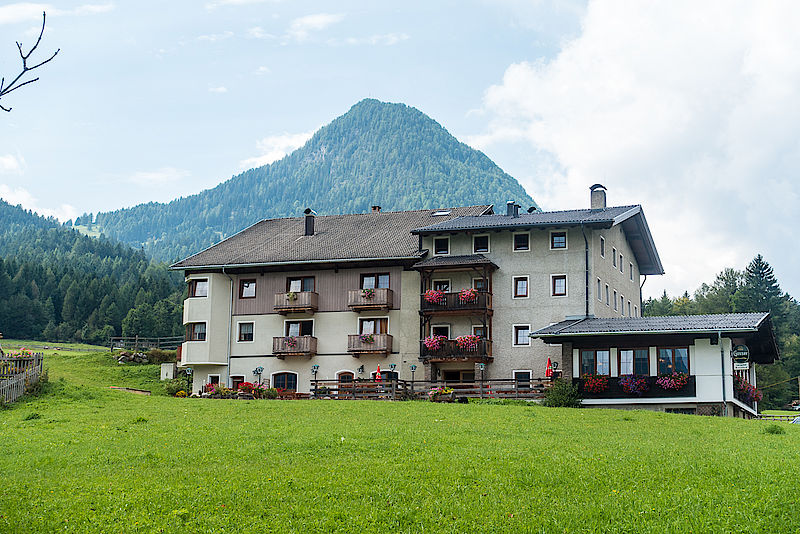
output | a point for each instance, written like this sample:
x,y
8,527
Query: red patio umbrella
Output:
x,y
378,374
548,371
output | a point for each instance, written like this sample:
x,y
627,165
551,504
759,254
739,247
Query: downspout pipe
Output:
x,y
722,363
230,327
641,299
586,268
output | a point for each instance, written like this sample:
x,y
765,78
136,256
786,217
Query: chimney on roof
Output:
x,y
531,209
512,209
598,197
376,209
309,226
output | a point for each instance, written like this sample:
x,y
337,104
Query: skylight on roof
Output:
x,y
441,212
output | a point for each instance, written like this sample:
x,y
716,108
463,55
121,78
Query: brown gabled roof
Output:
x,y
364,236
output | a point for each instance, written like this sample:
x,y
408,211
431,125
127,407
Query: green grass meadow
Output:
x,y
84,458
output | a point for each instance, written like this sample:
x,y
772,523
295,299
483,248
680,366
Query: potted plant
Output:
x,y
469,295
434,296
673,382
634,385
468,343
367,338
442,394
595,383
291,341
368,293
434,342
291,296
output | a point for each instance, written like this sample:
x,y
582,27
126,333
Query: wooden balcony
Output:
x,y
453,304
300,302
303,346
383,299
450,351
381,344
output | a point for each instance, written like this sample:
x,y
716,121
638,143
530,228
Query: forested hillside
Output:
x,y
753,290
391,155
57,284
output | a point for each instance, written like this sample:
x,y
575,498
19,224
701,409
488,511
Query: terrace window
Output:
x,y
299,328
379,325
441,285
246,331
198,287
634,362
480,243
480,331
522,242
595,362
375,281
300,284
247,289
559,285
441,330
479,284
521,332
522,379
441,245
196,332
673,360
558,240
520,287
285,381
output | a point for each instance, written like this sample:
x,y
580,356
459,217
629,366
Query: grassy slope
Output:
x,y
102,461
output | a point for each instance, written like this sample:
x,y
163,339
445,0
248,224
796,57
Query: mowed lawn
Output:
x,y
97,460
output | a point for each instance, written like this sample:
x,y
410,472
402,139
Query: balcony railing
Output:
x,y
294,346
300,302
381,344
742,397
453,303
654,391
382,298
451,351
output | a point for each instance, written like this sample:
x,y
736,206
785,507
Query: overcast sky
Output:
x,y
690,109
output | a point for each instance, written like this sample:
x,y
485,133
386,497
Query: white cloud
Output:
x,y
262,70
385,39
257,32
23,197
162,176
214,37
302,27
218,3
10,164
275,147
28,11
687,108
220,89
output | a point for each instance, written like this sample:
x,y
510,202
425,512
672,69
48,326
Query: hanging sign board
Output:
x,y
741,358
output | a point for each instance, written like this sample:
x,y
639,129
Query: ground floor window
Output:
x,y
346,377
213,379
458,376
595,362
286,381
522,379
385,375
246,331
634,362
236,381
673,360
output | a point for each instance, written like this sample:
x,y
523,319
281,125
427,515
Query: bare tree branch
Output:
x,y
14,85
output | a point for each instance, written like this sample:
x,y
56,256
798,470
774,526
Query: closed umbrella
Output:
x,y
548,371
378,374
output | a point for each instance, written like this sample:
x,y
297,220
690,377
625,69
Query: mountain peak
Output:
x,y
388,154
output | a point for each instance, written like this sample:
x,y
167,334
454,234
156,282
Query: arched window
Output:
x,y
346,377
286,381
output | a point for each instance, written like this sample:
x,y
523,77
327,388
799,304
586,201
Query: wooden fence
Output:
x,y
532,389
18,373
768,417
136,342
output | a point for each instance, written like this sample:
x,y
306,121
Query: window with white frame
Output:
x,y
441,285
558,240
522,379
522,242
602,247
440,330
599,290
595,362
614,257
521,335
631,265
246,331
285,381
621,264
629,309
616,306
607,299
480,243
622,304
441,245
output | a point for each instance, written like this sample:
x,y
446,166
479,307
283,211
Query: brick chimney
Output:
x,y
512,209
598,197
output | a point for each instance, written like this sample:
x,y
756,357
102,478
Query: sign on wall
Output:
x,y
741,358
